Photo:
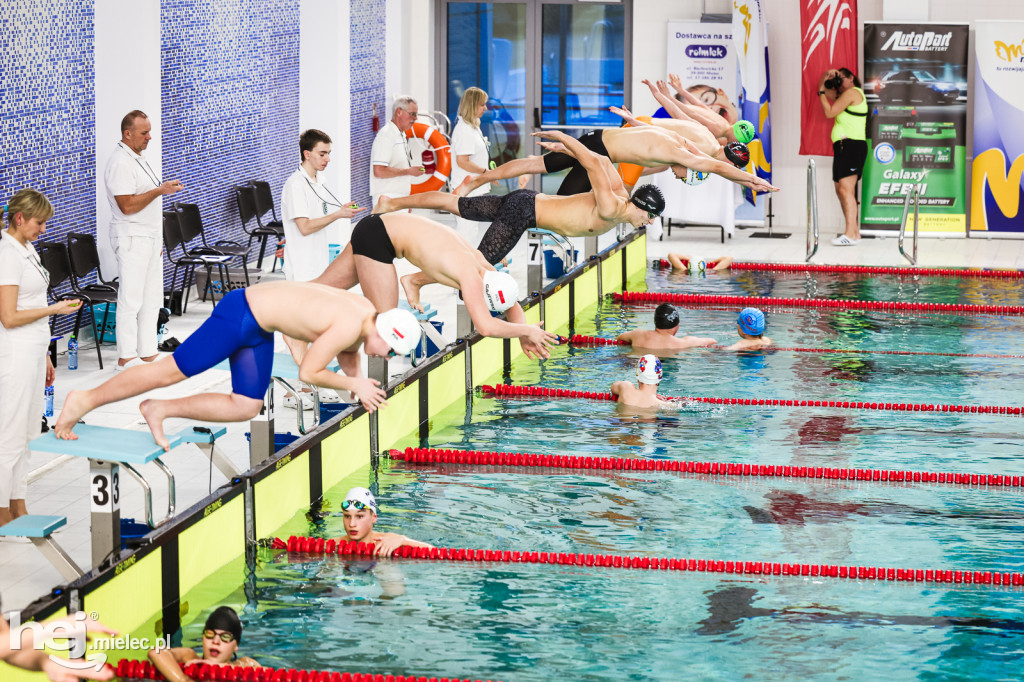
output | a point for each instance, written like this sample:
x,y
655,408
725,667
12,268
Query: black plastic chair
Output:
x,y
84,259
264,205
187,262
245,196
55,258
191,225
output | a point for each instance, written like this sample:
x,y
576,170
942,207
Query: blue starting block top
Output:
x,y
190,435
427,314
33,526
105,443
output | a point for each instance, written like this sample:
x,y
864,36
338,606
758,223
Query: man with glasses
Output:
x,y
309,207
222,635
360,514
390,158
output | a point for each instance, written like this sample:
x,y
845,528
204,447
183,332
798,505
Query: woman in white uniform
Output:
x,y
470,148
25,366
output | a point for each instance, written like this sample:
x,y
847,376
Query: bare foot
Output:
x,y
75,407
383,205
154,417
465,187
524,180
412,291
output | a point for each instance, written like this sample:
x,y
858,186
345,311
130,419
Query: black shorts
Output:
x,y
848,157
370,238
510,216
576,181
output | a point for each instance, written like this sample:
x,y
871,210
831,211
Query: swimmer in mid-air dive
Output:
x,y
663,336
443,256
360,514
750,326
241,328
678,261
648,376
591,213
222,635
718,114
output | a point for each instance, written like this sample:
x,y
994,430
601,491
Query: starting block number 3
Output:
x,y
106,490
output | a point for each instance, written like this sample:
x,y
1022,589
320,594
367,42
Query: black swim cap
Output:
x,y
666,316
649,198
738,154
225,618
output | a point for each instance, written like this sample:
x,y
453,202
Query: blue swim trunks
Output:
x,y
231,332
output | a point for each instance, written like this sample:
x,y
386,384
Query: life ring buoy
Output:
x,y
442,157
631,172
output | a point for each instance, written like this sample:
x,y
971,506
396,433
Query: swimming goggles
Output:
x,y
225,637
360,506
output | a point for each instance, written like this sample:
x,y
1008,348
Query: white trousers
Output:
x,y
22,379
140,294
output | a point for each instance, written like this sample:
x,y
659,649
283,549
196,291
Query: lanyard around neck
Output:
x,y
143,164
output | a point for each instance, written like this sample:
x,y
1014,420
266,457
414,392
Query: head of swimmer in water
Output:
x,y
717,100
360,513
315,149
221,635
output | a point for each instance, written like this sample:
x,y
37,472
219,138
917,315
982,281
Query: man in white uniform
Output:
x,y
134,190
309,207
390,158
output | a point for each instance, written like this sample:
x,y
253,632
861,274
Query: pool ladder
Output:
x,y
812,211
916,196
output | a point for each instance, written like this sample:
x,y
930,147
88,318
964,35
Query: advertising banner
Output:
x,y
750,37
828,30
996,192
703,54
915,81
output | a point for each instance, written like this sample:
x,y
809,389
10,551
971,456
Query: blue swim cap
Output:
x,y
751,321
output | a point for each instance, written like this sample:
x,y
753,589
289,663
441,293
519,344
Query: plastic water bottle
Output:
x,y
72,352
48,401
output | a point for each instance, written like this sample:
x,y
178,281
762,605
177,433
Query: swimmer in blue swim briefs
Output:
x,y
241,329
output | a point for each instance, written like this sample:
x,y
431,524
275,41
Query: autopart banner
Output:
x,y
996,192
915,81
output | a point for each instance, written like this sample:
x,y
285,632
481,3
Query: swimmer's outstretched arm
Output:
x,y
341,337
687,154
693,108
169,662
609,192
627,116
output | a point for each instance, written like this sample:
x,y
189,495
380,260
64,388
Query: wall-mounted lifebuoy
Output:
x,y
442,157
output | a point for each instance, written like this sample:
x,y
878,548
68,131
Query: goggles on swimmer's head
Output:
x,y
357,505
225,637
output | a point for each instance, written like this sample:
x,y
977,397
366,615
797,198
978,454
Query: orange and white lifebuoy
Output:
x,y
442,157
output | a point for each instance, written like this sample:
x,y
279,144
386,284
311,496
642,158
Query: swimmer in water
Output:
x,y
360,513
663,336
648,376
685,263
222,635
750,326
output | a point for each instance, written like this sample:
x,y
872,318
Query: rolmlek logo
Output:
x,y
705,51
1014,52
928,41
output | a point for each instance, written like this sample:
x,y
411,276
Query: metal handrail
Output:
x,y
916,195
812,210
560,242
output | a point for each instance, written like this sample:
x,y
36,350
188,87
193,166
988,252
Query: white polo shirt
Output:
x,y
305,256
390,148
128,173
469,140
20,266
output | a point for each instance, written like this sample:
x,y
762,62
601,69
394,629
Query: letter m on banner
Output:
x,y
828,31
750,37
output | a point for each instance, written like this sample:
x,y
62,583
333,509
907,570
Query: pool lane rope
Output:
x,y
633,297
308,545
144,670
879,270
579,462
583,340
514,391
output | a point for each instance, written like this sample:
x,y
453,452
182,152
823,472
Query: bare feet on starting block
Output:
x,y
75,407
412,290
383,205
154,417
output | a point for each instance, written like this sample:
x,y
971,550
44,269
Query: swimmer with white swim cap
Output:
x,y
648,376
750,325
663,336
685,263
360,513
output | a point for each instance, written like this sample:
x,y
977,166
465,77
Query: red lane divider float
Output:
x,y
520,459
347,548
773,302
144,670
581,340
509,390
879,270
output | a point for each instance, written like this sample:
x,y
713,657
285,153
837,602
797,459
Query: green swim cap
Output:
x,y
744,131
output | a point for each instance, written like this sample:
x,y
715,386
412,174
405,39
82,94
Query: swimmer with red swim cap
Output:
x,y
663,336
750,326
645,394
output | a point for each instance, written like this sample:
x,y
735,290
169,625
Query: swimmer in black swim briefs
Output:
x,y
370,238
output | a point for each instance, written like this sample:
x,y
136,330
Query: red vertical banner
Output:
x,y
829,41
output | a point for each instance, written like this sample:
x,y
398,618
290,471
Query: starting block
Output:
x,y
38,529
205,437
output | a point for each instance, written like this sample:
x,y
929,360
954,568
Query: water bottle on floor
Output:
x,y
72,352
48,404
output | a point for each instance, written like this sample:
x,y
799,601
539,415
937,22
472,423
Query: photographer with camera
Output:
x,y
843,99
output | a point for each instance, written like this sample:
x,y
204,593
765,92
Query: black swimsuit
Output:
x,y
577,181
510,216
370,238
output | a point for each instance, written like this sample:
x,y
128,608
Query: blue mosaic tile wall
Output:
x,y
230,99
47,119
367,55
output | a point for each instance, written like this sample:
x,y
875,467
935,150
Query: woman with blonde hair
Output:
x,y
470,148
25,366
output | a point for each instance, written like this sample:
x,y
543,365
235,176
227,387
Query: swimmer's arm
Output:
x,y
619,386
246,662
313,368
473,297
609,191
350,363
387,543
626,336
169,662
669,104
625,115
698,341
653,170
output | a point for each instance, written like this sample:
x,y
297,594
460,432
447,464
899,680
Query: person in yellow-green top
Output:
x,y
843,100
